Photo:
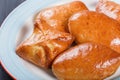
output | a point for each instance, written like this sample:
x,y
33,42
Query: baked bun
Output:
x,y
109,8
57,17
50,36
90,26
87,61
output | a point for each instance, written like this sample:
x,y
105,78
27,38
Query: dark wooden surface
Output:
x,y
6,6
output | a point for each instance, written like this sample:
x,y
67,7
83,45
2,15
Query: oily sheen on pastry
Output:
x,y
109,8
95,27
43,46
50,37
57,17
87,61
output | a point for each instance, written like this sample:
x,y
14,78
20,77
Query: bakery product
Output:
x,y
43,46
95,27
49,37
57,17
87,61
109,8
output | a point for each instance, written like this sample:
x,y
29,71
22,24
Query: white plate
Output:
x,y
11,35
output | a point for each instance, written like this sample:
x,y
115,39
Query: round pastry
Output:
x,y
88,61
95,27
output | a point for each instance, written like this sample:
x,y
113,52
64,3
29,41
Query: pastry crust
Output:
x,y
109,8
50,37
43,46
88,61
57,17
95,27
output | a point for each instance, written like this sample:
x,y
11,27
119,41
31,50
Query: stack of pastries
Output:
x,y
95,54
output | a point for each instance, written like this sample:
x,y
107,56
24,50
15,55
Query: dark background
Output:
x,y
6,6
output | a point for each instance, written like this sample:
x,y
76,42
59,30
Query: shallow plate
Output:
x,y
11,34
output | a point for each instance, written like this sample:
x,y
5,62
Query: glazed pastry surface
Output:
x,y
44,45
50,36
95,27
57,17
88,61
109,8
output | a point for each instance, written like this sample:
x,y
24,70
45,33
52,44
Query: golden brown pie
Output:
x,y
88,61
95,27
109,8
50,37
44,45
57,17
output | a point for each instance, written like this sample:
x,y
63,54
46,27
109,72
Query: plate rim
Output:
x,y
1,29
22,5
